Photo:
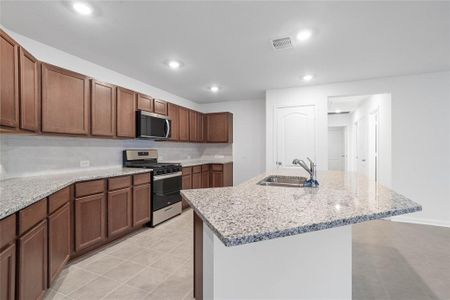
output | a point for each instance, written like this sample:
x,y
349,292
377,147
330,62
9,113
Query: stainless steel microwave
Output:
x,y
152,126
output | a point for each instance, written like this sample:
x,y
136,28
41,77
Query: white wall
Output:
x,y
338,120
420,134
248,136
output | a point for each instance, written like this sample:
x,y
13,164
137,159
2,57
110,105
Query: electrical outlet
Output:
x,y
189,157
84,163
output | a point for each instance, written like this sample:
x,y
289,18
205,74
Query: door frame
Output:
x,y
275,131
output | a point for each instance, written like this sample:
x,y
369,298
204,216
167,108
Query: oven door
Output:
x,y
152,126
166,190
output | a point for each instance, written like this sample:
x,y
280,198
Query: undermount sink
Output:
x,y
280,180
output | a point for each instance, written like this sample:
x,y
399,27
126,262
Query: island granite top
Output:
x,y
250,212
20,192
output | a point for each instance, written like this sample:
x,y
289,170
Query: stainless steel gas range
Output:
x,y
166,183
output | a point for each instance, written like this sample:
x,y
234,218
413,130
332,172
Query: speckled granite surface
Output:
x,y
249,212
196,162
18,193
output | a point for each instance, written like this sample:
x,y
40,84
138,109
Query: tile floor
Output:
x,y
390,261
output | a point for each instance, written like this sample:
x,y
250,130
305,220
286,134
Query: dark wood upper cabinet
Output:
x,y
173,113
8,272
90,221
32,260
200,128
126,113
184,123
65,101
119,212
141,204
145,102
193,124
58,241
103,109
160,107
9,82
29,91
219,127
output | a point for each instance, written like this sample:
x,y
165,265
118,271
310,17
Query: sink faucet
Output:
x,y
312,171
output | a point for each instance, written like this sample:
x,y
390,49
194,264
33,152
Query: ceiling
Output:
x,y
228,43
345,103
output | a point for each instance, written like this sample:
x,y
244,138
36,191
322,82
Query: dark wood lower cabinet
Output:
x,y
196,180
119,211
8,273
90,221
141,204
205,179
32,279
216,179
58,241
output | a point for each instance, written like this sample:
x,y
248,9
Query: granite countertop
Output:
x,y
202,161
250,212
20,192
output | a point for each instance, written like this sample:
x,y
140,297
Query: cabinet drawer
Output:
x,y
187,170
117,183
141,179
33,214
7,230
89,188
196,169
205,168
58,199
217,167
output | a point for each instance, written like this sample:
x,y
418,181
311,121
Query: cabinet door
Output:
x,y
145,102
193,123
90,221
103,109
9,81
29,91
65,101
216,179
141,204
196,180
186,182
200,127
219,128
119,212
205,179
173,113
58,241
32,280
184,124
8,273
160,107
126,113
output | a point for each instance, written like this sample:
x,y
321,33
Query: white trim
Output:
x,y
431,222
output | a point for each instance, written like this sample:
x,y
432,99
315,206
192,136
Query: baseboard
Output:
x,y
421,221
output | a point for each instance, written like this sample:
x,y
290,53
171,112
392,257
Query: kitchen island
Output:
x,y
269,242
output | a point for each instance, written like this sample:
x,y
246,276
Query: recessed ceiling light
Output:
x,y
338,111
173,64
304,35
82,8
308,77
214,88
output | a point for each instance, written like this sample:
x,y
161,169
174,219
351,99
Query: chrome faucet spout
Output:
x,y
312,182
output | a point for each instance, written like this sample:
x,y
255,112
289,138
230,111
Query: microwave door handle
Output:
x,y
168,128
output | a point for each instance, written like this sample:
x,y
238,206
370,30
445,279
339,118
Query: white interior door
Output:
x,y
373,145
363,146
295,134
336,148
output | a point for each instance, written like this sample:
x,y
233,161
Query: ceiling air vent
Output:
x,y
282,43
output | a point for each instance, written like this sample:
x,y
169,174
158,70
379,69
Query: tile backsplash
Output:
x,y
34,155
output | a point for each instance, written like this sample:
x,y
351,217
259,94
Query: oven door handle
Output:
x,y
160,177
